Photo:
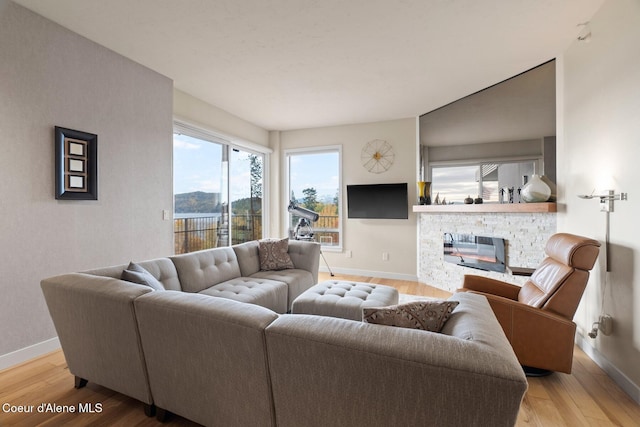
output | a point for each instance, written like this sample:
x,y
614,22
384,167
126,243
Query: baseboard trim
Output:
x,y
369,273
629,387
24,354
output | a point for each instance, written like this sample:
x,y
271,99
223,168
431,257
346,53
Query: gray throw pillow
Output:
x,y
274,254
137,274
426,315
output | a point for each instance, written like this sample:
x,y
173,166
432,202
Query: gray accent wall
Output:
x,y
50,77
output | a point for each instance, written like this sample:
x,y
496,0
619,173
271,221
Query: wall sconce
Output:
x,y
606,200
606,205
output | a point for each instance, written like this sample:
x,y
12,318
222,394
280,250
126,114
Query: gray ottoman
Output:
x,y
338,298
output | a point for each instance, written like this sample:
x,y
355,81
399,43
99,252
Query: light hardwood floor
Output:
x,y
587,397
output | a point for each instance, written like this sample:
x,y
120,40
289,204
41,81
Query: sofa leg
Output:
x,y
162,415
80,382
149,410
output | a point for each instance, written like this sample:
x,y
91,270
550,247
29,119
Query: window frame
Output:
x,y
265,192
229,143
287,153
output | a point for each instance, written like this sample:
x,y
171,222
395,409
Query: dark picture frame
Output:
x,y
76,157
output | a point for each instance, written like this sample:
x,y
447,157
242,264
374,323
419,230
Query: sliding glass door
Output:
x,y
217,193
245,189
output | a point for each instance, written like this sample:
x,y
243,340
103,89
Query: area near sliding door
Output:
x,y
218,191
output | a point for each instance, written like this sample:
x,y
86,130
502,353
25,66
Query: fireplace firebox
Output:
x,y
479,252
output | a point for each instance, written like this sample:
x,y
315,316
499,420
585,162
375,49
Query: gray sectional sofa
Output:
x,y
94,316
224,362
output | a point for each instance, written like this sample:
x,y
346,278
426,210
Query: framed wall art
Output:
x,y
76,164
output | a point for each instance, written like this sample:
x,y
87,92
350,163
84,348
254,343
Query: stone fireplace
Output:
x,y
525,235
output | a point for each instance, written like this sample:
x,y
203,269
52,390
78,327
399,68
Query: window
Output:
x,y
313,182
245,189
218,192
495,182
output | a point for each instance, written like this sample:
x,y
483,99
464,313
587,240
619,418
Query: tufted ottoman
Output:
x,y
338,298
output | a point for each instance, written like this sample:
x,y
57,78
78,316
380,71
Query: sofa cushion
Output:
x,y
426,315
270,294
165,271
297,280
201,270
470,321
365,372
274,254
305,256
160,268
248,257
206,358
136,274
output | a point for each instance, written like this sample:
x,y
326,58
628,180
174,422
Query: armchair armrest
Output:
x,y
539,338
490,286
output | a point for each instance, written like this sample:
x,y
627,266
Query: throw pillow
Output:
x,y
426,315
274,254
137,274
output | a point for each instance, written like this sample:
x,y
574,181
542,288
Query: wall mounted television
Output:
x,y
378,201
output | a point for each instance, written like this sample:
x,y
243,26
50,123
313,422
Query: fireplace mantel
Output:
x,y
546,207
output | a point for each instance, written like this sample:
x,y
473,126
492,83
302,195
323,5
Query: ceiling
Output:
x,y
291,64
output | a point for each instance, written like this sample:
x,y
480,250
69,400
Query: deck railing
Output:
x,y
204,232
325,230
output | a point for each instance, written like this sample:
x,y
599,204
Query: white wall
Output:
x,y
209,117
599,148
50,76
366,239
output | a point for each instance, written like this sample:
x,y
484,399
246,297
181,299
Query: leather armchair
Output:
x,y
537,318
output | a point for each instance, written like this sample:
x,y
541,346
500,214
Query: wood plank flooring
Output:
x,y
587,397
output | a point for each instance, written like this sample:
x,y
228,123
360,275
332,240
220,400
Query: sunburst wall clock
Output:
x,y
377,156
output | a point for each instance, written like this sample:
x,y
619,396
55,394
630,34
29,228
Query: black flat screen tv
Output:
x,y
378,201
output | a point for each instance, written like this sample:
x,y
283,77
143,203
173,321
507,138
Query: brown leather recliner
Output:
x,y
537,318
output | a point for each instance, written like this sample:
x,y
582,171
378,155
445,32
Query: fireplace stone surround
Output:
x,y
525,234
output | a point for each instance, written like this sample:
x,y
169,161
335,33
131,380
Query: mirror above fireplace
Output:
x,y
510,123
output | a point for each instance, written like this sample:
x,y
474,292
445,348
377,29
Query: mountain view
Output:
x,y
197,202
201,202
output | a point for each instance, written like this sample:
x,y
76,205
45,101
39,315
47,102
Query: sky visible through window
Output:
x,y
197,166
314,170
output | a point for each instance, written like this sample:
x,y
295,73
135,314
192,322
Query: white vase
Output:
x,y
536,190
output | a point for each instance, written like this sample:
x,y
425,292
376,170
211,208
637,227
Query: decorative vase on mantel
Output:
x,y
535,191
424,192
